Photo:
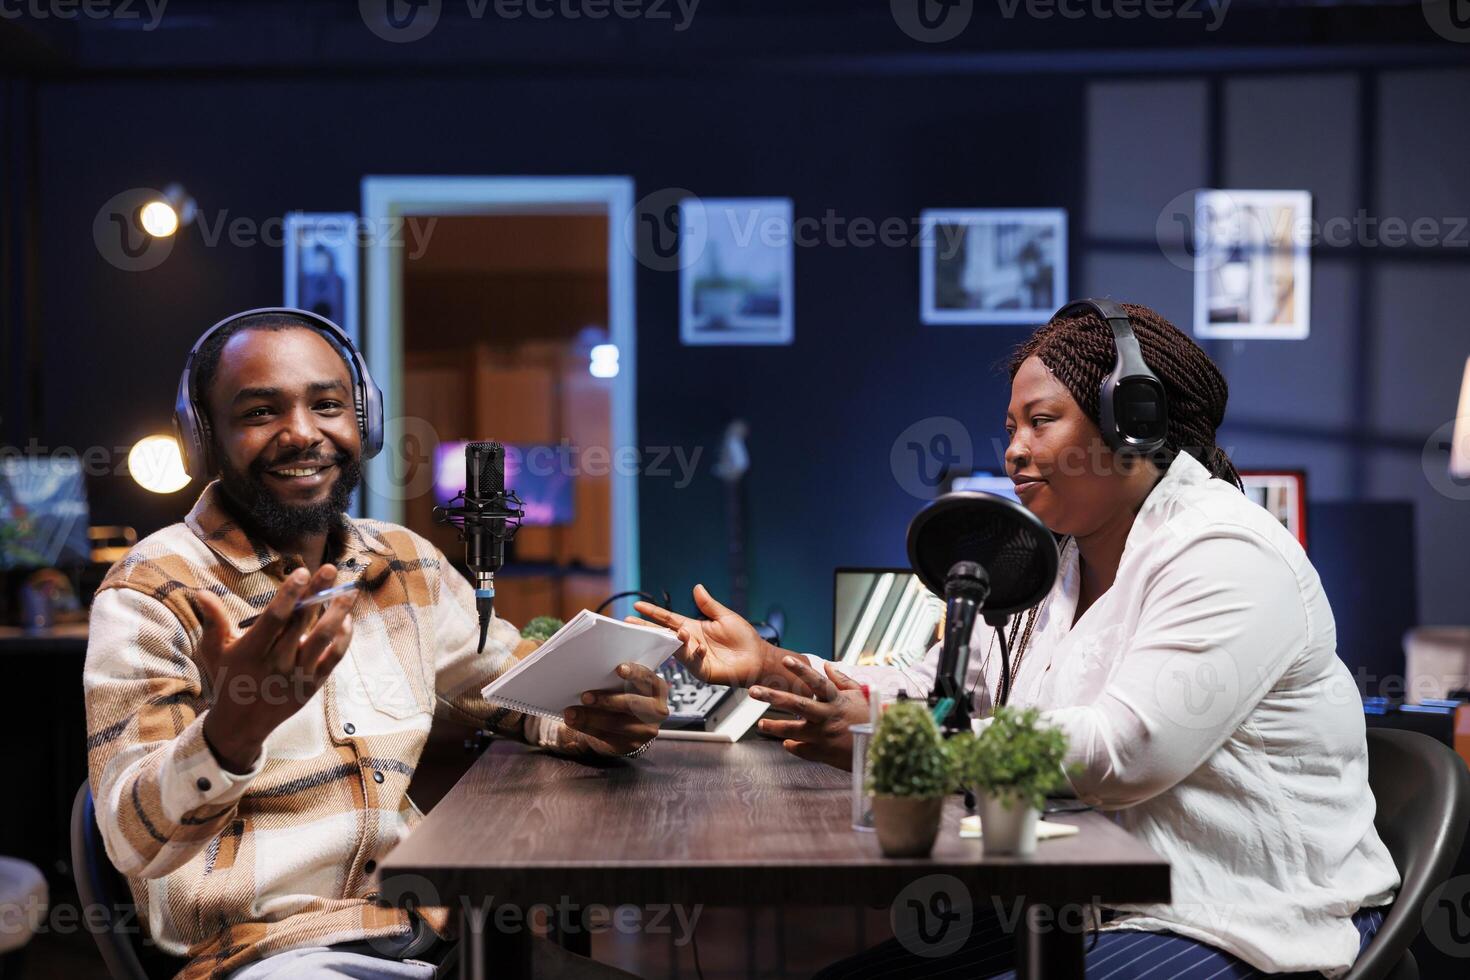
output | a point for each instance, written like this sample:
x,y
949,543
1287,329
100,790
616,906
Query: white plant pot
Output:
x,y
1007,825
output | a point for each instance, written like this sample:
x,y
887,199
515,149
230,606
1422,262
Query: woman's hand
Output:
x,y
723,649
821,732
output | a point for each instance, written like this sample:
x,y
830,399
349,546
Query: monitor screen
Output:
x,y
989,482
882,616
43,513
1283,493
537,473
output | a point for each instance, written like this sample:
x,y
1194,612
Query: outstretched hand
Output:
x,y
268,672
723,648
821,730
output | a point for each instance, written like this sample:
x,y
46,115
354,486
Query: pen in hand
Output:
x,y
326,595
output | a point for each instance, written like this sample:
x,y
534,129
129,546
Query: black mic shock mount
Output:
x,y
487,516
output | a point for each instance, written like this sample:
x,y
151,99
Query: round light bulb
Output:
x,y
604,362
158,466
159,219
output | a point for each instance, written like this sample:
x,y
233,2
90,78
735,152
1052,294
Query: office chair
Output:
x,y
1423,795
127,952
104,891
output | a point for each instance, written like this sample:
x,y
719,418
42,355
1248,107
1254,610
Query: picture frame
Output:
x,y
1252,267
321,266
1283,493
984,266
736,271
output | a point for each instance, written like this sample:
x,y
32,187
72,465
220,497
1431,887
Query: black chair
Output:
x,y
121,938
1423,794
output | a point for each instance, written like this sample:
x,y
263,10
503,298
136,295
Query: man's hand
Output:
x,y
723,649
619,721
820,733
266,674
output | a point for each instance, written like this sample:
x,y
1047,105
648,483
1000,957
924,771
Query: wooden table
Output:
x,y
726,825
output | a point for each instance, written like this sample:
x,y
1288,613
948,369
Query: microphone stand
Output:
x,y
998,623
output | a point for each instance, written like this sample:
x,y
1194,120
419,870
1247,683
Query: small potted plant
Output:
x,y
535,633
1012,763
909,774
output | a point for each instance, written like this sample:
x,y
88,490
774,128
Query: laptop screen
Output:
x,y
882,616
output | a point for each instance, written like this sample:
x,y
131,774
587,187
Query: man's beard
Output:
x,y
279,523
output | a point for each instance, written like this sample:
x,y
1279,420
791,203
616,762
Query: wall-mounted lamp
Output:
x,y
158,466
161,218
604,362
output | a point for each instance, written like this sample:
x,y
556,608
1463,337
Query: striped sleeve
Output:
x,y
461,671
159,792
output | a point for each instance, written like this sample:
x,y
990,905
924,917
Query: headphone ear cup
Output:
x,y
370,409
1107,418
190,430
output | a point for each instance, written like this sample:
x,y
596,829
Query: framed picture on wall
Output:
x,y
321,266
1252,272
736,271
1284,494
989,266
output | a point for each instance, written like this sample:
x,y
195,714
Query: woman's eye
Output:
x,y
1035,422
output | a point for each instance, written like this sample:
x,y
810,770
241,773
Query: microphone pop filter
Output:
x,y
998,534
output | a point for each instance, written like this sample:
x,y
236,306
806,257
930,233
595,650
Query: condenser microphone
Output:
x,y
1008,543
484,537
488,517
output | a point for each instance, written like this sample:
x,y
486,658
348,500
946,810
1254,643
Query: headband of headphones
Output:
x,y
1133,411
191,422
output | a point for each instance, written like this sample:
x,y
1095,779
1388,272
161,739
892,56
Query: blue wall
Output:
x,y
1353,405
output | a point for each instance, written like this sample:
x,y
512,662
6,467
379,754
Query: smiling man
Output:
x,y
249,780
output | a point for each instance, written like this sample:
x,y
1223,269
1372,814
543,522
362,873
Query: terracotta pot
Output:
x,y
1007,825
525,648
907,825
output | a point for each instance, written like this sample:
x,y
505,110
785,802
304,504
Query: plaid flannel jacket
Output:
x,y
228,868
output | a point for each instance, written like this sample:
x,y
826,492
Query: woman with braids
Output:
x,y
1189,653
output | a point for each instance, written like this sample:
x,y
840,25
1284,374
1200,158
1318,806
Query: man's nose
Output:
x,y
300,430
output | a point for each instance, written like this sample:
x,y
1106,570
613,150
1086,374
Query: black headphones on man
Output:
x,y
1133,412
192,423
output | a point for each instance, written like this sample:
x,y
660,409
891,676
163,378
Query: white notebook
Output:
x,y
581,656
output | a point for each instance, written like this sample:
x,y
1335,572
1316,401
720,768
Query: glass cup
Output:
x,y
862,800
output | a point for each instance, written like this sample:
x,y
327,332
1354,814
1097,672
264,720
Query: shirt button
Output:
x,y
377,776
370,867
349,728
203,784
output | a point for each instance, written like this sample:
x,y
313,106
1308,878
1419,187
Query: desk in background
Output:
x,y
742,825
44,730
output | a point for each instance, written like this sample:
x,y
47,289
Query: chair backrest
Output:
x,y
1423,794
107,902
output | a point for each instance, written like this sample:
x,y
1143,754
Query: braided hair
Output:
x,y
1079,351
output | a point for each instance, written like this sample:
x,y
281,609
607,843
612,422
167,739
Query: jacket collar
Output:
x,y
213,523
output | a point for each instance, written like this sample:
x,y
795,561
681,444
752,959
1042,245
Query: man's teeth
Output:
x,y
312,471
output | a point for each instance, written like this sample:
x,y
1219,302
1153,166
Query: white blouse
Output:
x,y
1209,713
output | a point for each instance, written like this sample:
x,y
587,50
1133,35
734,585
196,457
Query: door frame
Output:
x,y
386,200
